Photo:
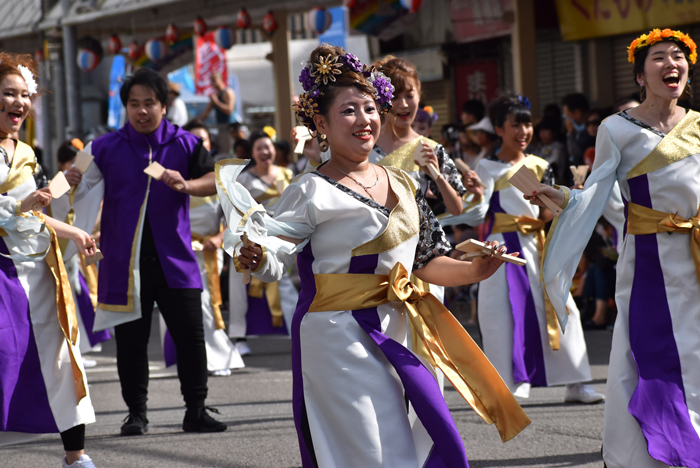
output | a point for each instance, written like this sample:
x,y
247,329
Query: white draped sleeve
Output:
x,y
91,178
476,213
614,213
571,231
9,207
245,215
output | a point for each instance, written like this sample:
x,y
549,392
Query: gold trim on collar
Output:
x,y
534,163
681,142
402,158
403,221
23,163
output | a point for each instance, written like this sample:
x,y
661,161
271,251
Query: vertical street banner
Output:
x,y
338,30
585,19
209,58
116,76
476,80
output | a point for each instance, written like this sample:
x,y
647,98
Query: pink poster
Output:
x,y
209,58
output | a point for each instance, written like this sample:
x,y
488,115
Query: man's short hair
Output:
x,y
151,79
475,108
576,101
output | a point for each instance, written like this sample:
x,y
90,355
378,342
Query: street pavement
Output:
x,y
256,404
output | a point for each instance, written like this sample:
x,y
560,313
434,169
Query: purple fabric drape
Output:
x,y
24,403
659,402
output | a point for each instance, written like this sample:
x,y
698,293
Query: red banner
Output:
x,y
476,80
209,58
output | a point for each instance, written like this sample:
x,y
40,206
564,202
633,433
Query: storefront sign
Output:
x,y
584,19
209,58
476,80
475,20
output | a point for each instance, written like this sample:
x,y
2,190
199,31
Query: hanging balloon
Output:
x,y
135,50
87,60
171,34
269,23
200,27
319,20
156,49
411,5
349,3
115,44
243,21
224,37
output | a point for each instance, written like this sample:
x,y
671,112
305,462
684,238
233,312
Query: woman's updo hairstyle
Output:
x,y
403,74
509,104
342,80
330,68
12,64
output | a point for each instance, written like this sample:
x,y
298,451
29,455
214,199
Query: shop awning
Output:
x,y
19,17
83,11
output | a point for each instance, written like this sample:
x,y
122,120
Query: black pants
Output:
x,y
182,312
74,438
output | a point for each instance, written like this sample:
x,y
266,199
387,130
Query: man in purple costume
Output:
x,y
146,242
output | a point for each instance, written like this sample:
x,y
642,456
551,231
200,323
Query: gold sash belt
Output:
x,y
642,220
211,265
449,345
525,225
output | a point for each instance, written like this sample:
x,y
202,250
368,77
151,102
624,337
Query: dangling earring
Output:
x,y
322,143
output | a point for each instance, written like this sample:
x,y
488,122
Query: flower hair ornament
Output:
x,y
658,35
28,78
315,77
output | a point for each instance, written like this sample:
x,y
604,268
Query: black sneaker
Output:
x,y
198,420
135,424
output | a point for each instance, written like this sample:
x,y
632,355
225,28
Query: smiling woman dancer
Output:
x,y
42,380
360,397
519,329
653,151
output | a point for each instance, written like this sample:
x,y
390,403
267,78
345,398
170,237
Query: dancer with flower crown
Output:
x,y
518,325
360,396
42,381
652,415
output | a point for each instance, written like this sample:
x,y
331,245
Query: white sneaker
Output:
x,y
582,393
243,348
220,373
522,390
88,363
83,462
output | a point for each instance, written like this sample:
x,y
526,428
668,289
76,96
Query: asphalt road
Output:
x,y
256,404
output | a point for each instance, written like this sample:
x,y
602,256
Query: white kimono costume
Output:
x,y
205,221
360,397
520,337
652,412
261,308
42,382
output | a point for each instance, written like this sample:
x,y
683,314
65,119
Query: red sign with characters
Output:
x,y
209,58
476,80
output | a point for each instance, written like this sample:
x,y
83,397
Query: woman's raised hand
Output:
x,y
36,201
556,195
472,183
484,267
250,256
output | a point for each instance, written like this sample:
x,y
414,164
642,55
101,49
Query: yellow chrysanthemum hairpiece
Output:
x,y
658,35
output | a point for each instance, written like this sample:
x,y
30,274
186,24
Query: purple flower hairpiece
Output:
x,y
383,89
525,101
307,81
352,63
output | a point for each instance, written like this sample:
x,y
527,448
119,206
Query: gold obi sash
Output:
x,y
525,225
642,220
211,265
90,275
450,347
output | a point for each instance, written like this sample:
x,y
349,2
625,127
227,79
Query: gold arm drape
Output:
x,y
211,265
525,225
65,307
642,220
448,344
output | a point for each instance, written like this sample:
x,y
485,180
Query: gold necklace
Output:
x,y
364,187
